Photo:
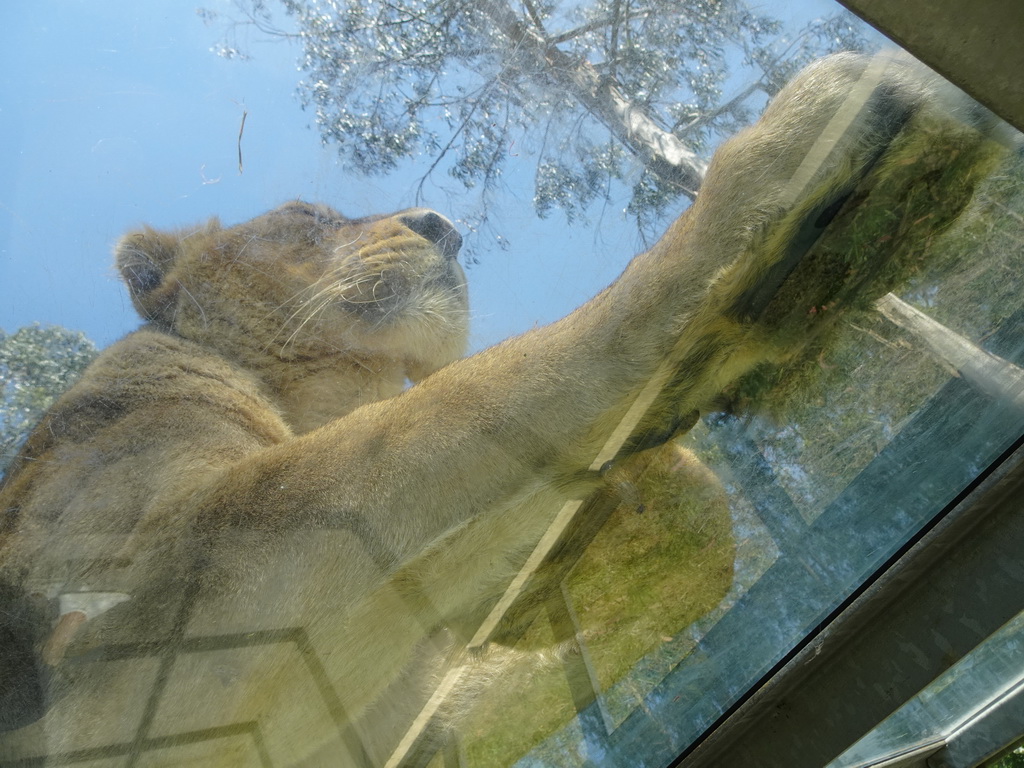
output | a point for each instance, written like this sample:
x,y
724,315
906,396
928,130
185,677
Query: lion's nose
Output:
x,y
435,227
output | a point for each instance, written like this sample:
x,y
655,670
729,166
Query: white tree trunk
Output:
x,y
988,373
661,150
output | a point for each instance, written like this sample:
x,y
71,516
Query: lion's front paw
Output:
x,y
830,201
858,147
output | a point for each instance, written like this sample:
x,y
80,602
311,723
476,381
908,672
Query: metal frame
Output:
x,y
975,45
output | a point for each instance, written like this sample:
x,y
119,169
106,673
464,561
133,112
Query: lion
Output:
x,y
284,504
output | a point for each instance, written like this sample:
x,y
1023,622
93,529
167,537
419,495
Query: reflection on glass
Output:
x,y
901,416
566,564
993,669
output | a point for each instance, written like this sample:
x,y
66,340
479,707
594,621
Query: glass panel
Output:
x,y
650,590
994,670
862,461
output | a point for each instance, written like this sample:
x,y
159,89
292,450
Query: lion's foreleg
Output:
x,y
542,408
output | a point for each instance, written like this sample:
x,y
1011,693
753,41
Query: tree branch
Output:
x,y
734,102
535,17
662,152
613,45
591,26
451,141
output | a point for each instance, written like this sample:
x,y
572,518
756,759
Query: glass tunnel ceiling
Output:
x,y
647,611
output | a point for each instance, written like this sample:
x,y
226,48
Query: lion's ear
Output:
x,y
144,259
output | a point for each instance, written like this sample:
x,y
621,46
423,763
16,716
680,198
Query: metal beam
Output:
x,y
975,45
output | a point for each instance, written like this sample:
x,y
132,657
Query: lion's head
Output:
x,y
304,283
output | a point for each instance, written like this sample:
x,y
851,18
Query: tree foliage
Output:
x,y
596,94
37,364
1014,759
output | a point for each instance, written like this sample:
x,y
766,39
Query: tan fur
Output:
x,y
251,461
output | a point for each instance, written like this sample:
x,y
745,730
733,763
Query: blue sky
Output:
x,y
115,113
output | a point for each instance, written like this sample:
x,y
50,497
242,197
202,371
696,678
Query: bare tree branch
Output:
x,y
535,16
590,26
734,102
